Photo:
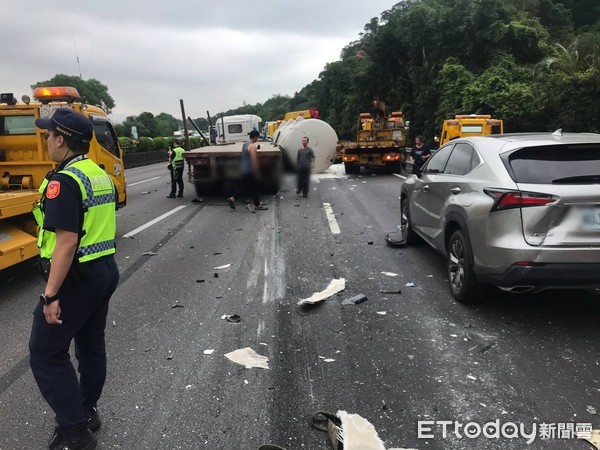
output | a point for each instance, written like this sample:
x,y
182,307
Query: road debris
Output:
x,y
381,313
471,377
233,318
197,200
594,439
170,355
591,410
327,360
358,433
149,254
210,351
335,286
177,305
248,358
390,274
355,300
200,281
395,238
397,291
223,267
410,284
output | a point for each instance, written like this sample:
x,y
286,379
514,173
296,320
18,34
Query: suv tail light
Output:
x,y
504,199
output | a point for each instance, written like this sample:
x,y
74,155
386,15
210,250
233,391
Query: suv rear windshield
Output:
x,y
555,164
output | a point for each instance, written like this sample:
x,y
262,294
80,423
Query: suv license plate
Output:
x,y
590,219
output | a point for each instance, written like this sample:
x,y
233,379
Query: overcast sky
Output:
x,y
214,55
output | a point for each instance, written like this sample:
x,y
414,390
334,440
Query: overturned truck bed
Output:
x,y
216,168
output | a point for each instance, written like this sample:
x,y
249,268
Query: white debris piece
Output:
x,y
382,313
358,433
471,377
594,439
390,274
410,284
329,360
209,351
223,267
248,358
335,286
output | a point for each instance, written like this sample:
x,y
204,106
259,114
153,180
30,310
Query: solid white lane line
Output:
x,y
140,182
333,225
399,176
152,222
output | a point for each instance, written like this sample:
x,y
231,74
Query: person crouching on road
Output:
x,y
305,162
77,226
177,165
250,173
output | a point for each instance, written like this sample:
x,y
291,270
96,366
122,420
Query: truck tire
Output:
x,y
352,168
204,188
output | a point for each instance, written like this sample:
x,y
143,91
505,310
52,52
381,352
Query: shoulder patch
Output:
x,y
53,189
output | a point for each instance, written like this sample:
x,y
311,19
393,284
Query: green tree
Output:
x,y
91,91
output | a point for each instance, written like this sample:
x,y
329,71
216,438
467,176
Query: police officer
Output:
x,y
177,166
77,223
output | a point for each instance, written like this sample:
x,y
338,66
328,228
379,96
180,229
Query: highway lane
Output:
x,y
521,359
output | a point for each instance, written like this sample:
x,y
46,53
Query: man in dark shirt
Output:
x,y
420,153
304,163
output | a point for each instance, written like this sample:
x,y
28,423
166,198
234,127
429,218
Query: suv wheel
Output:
x,y
463,283
405,223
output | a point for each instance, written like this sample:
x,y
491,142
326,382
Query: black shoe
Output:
x,y
77,437
231,202
304,195
180,195
297,191
94,422
171,196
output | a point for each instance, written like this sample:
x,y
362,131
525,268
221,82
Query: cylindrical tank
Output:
x,y
322,138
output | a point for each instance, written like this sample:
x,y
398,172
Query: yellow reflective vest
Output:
x,y
97,237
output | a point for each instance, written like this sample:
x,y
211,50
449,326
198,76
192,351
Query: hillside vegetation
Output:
x,y
533,63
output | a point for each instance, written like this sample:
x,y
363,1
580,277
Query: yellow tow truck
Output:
x,y
464,125
24,162
380,143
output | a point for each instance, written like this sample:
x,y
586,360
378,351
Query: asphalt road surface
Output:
x,y
395,359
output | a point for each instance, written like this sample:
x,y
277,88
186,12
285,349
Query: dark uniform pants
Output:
x,y
177,180
84,306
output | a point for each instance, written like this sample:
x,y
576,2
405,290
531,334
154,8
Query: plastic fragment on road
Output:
x,y
594,439
355,300
390,274
149,254
209,351
358,433
335,286
223,267
248,358
177,305
471,377
397,291
410,284
591,410
382,313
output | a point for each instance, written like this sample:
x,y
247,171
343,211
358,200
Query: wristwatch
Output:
x,y
47,299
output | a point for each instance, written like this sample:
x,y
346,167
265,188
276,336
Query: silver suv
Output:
x,y
518,211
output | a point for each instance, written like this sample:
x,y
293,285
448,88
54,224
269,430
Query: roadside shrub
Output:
x,y
146,144
127,145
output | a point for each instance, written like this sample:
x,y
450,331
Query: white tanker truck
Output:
x,y
216,167
322,139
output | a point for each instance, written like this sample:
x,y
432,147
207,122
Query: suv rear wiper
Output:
x,y
578,179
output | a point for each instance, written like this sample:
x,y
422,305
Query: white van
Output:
x,y
236,128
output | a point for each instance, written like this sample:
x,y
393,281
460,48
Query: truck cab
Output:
x,y
236,128
469,125
24,163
